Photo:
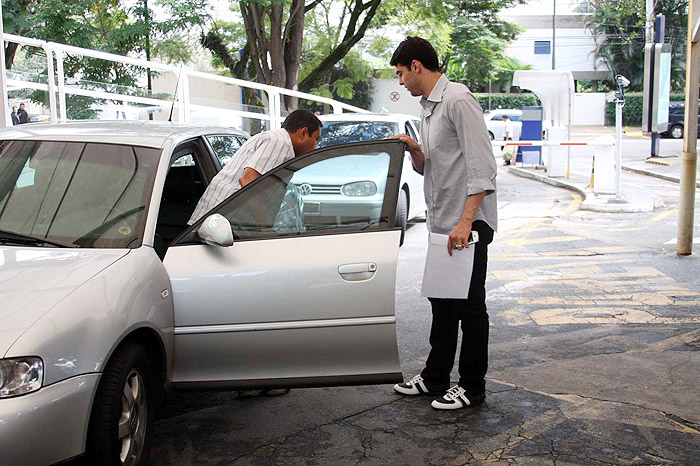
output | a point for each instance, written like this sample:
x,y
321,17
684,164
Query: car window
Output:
x,y
89,195
344,132
318,194
225,147
416,123
515,117
497,117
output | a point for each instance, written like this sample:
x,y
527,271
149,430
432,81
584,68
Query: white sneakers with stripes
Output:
x,y
415,386
456,398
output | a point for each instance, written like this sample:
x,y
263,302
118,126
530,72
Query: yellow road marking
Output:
x,y
662,216
549,239
575,204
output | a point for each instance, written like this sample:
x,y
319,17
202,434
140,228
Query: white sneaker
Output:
x,y
456,398
415,386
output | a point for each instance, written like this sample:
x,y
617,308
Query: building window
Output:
x,y
542,47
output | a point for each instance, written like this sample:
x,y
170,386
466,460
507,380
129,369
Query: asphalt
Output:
x,y
636,198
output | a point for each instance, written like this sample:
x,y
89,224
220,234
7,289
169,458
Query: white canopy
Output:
x,y
554,88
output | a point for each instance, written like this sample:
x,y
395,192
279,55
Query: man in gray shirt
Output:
x,y
459,169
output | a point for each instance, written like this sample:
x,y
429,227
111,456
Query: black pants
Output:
x,y
447,314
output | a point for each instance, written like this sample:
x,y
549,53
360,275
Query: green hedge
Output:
x,y
632,111
506,100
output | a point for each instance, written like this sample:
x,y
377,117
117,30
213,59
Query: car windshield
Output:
x,y
74,194
343,132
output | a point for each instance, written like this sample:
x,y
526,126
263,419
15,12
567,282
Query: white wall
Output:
x,y
574,50
589,109
402,102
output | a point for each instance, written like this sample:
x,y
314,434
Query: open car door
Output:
x,y
300,298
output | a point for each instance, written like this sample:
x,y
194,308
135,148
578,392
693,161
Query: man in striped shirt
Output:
x,y
300,133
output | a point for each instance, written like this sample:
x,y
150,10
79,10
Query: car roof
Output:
x,y
138,133
367,117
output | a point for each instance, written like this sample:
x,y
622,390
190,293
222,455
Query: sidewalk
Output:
x,y
663,168
637,198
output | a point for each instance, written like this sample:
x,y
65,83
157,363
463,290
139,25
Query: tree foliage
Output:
x,y
273,42
115,26
619,29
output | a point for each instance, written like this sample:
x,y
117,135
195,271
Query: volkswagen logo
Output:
x,y
305,189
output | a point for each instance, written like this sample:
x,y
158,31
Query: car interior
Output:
x,y
183,188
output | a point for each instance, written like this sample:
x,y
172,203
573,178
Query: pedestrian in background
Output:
x,y
509,152
15,118
459,169
22,115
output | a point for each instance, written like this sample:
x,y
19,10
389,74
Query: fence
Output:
x,y
58,88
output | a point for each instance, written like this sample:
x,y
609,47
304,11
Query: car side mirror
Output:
x,y
216,230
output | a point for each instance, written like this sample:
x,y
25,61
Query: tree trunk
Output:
x,y
293,38
353,34
10,52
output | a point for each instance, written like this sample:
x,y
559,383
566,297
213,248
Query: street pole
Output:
x,y
659,32
554,36
649,30
689,158
4,108
618,148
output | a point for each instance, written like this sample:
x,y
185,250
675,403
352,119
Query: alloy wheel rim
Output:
x,y
132,423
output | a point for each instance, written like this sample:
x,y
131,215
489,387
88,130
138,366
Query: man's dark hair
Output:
x,y
301,119
415,48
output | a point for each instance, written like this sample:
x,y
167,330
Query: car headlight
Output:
x,y
20,375
359,189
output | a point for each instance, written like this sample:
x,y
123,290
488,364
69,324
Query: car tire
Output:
x,y
676,132
491,136
122,415
402,214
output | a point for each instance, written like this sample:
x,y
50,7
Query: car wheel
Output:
x,y
122,414
676,132
491,135
402,214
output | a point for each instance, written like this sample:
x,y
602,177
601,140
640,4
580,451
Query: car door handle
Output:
x,y
357,272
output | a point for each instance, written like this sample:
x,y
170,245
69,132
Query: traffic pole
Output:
x,y
618,148
686,210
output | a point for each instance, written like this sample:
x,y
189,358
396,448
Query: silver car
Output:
x,y
106,295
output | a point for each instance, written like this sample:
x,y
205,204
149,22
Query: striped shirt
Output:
x,y
262,153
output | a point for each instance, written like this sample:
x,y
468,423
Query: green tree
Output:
x,y
619,30
468,35
274,41
116,26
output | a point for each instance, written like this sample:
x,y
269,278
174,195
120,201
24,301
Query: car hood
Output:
x,y
343,170
33,280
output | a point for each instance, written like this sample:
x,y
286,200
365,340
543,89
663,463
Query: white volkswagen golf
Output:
x,y
106,295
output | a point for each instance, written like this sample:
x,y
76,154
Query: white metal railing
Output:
x,y
58,89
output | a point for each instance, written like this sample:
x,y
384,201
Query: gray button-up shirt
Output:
x,y
459,160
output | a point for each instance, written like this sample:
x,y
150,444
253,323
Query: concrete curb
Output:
x,y
639,171
586,204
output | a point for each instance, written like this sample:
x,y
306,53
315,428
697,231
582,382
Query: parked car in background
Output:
x,y
676,122
342,203
108,295
496,126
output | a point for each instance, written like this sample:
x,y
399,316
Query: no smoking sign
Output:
x,y
394,96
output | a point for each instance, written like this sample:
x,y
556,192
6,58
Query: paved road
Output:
x,y
594,361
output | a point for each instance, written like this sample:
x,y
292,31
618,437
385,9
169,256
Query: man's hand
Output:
x,y
459,238
417,156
